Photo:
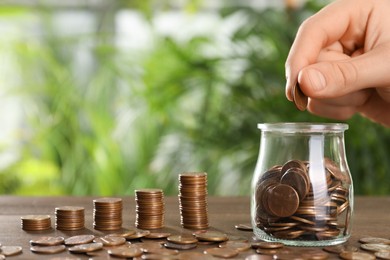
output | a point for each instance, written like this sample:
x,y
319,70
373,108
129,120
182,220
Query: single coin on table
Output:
x,y
211,236
340,248
125,252
11,250
357,256
237,245
85,248
47,241
375,247
383,255
110,240
48,249
299,98
80,239
268,245
259,257
221,252
374,240
182,239
176,246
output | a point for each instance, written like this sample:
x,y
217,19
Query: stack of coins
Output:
x,y
193,200
149,208
36,222
107,214
290,205
69,218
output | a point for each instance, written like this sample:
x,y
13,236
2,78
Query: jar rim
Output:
x,y
303,127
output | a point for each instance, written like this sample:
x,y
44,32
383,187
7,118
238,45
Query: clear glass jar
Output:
x,y
302,192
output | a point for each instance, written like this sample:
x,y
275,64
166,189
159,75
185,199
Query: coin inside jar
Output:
x,y
283,200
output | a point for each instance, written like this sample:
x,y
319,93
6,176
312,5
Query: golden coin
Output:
x,y
48,249
79,239
221,252
299,98
125,252
182,239
47,241
11,250
356,256
84,248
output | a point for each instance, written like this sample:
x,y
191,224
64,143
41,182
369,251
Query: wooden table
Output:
x,y
371,218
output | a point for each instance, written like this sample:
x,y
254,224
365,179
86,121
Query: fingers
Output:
x,y
338,78
321,30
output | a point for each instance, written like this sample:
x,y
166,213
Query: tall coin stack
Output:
x,y
193,200
69,218
149,208
107,214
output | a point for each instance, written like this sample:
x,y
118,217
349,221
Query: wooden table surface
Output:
x,y
371,218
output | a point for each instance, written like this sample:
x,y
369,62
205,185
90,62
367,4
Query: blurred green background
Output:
x,y
104,97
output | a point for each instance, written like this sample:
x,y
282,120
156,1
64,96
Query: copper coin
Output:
x,y
239,246
340,248
356,256
269,245
156,235
84,248
375,247
80,239
297,179
212,236
383,255
125,252
299,98
163,251
171,245
244,227
194,256
283,200
258,257
48,249
182,239
11,250
374,240
110,240
138,234
47,241
221,252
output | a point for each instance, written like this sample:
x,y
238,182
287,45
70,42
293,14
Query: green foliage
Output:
x,y
136,120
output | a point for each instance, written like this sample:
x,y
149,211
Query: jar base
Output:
x,y
259,234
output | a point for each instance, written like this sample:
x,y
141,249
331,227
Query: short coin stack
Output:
x,y
193,200
69,218
36,222
107,214
149,208
292,206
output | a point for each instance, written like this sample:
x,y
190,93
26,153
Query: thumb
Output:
x,y
331,79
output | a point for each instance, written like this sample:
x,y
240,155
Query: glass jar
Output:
x,y
302,192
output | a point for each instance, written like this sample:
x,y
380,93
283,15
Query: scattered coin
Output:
x,y
269,245
239,246
340,248
356,256
383,255
244,227
258,257
48,249
299,98
79,239
374,240
221,252
47,241
157,235
211,236
172,245
375,247
125,252
85,248
110,240
11,250
182,239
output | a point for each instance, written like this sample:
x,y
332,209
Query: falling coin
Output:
x,y
299,98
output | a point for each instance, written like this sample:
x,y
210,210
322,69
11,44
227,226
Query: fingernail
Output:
x,y
317,79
